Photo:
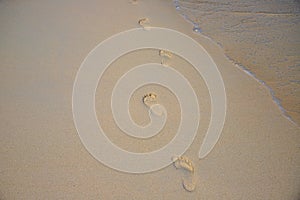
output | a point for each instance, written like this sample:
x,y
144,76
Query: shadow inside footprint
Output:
x,y
189,179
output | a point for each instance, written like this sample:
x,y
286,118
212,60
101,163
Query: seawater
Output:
x,y
260,37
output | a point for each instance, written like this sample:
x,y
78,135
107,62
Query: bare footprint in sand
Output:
x,y
150,99
145,23
189,180
183,162
165,56
165,53
151,102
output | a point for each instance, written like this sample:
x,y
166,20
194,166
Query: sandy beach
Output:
x,y
262,37
42,46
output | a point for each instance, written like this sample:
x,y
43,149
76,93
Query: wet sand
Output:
x,y
261,37
42,157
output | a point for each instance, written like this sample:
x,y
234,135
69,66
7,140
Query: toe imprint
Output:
x,y
149,99
165,56
144,22
183,162
164,53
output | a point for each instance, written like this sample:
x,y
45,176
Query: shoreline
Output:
x,y
243,68
286,110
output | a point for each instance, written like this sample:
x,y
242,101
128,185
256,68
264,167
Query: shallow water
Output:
x,y
262,37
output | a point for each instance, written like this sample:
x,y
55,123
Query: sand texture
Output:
x,y
260,36
42,45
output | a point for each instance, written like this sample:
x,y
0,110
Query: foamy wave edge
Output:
x,y
197,30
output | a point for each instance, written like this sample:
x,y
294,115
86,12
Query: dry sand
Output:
x,y
42,157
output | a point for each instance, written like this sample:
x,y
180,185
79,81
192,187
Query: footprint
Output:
x,y
145,23
150,99
165,57
151,102
189,180
183,162
165,53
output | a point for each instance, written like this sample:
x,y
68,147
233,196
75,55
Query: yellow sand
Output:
x,y
42,45
262,36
